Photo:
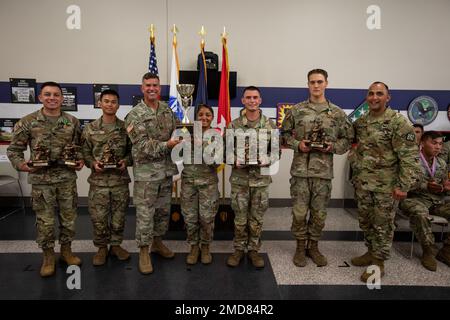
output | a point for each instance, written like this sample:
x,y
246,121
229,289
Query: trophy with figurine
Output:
x,y
69,155
317,136
40,156
109,158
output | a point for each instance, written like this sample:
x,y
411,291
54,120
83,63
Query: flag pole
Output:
x,y
224,41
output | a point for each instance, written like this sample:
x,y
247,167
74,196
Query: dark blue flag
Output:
x,y
202,86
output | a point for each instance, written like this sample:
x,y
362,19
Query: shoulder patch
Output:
x,y
130,128
410,137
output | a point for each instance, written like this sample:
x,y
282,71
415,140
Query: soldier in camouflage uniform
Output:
x,y
108,186
385,166
312,168
200,198
249,188
427,197
150,125
51,129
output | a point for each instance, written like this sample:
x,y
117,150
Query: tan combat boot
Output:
x,y
299,256
48,263
428,260
159,248
362,261
235,258
380,263
206,257
145,263
313,252
192,257
100,257
256,259
67,256
444,255
120,253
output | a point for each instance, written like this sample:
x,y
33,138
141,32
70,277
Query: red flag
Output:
x,y
223,115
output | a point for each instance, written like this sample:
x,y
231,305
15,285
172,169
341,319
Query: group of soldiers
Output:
x,y
387,164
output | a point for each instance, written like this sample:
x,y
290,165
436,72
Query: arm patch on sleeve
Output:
x,y
410,137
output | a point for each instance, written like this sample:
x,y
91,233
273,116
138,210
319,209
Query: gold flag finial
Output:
x,y
174,31
152,32
224,33
202,34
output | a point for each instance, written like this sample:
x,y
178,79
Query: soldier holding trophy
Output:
x,y
150,125
249,188
48,132
107,152
315,129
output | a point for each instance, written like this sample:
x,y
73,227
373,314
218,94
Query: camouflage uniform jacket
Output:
x,y
445,152
251,175
149,131
386,155
420,190
204,173
95,136
297,125
35,129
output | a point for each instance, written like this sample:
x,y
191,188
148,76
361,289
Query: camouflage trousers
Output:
x,y
309,195
418,211
199,204
152,201
376,213
103,201
44,200
249,205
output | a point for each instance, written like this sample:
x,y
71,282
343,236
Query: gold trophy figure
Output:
x,y
69,155
317,136
109,159
40,156
186,91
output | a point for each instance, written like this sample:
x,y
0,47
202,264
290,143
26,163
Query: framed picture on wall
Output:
x,y
6,129
98,88
23,90
70,99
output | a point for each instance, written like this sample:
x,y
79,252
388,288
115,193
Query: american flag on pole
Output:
x,y
152,64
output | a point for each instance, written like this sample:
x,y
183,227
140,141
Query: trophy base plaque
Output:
x,y
39,164
317,145
110,166
69,163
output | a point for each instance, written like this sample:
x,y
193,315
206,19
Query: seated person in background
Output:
x,y
418,131
427,198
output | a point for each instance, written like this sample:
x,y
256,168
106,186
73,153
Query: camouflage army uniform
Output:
x,y
312,172
445,153
421,202
199,200
54,185
153,168
249,192
386,157
109,189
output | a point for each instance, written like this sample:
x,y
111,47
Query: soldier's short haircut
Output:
x,y
319,71
201,105
431,135
51,84
149,75
418,125
251,88
384,84
111,92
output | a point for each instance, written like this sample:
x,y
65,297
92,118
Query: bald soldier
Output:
x,y
385,166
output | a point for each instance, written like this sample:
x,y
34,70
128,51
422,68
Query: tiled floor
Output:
x,y
20,261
